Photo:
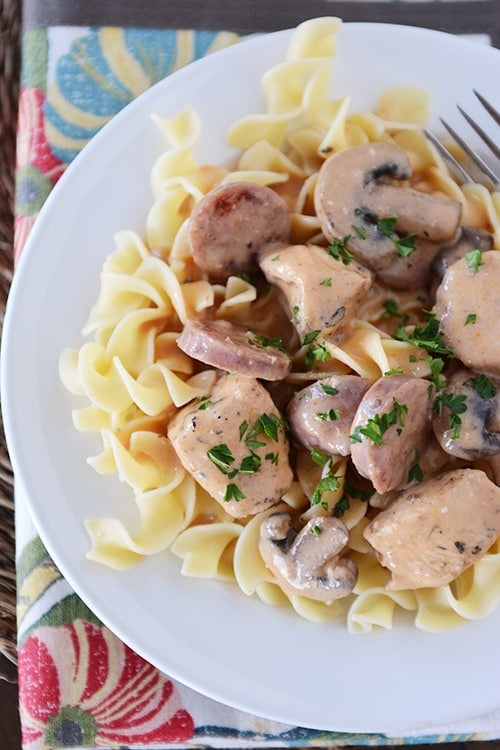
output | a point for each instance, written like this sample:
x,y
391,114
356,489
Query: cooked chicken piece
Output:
x,y
391,425
468,308
309,562
322,292
227,346
434,531
321,414
233,224
234,445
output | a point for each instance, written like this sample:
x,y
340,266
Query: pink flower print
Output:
x,y
80,686
37,169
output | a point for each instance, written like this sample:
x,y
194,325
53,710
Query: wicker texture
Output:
x,y
10,13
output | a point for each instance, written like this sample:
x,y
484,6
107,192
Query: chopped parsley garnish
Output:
x,y
221,456
309,337
316,353
470,319
233,492
319,457
326,282
456,404
474,259
316,530
250,464
351,492
329,389
204,404
394,371
330,483
296,313
378,425
360,231
272,457
338,249
404,246
331,415
427,337
263,341
436,365
243,428
416,473
483,386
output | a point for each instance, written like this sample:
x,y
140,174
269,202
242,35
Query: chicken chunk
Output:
x,y
234,445
322,292
433,532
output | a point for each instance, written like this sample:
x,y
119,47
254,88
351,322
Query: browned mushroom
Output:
x,y
468,308
466,419
356,189
309,562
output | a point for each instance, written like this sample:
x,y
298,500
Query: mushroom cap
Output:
x,y
309,562
357,187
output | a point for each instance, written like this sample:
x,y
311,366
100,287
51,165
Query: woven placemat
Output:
x,y
10,22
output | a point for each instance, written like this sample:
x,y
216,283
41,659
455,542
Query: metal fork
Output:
x,y
465,175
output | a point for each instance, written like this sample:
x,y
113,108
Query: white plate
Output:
x,y
207,634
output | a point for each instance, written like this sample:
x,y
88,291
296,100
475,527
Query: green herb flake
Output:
x,y
456,404
309,337
415,473
233,492
221,456
474,259
316,530
250,464
330,483
204,404
329,389
378,425
263,342
332,415
296,313
338,249
360,231
326,282
316,353
470,319
483,386
272,457
404,246
394,371
319,457
427,337
243,428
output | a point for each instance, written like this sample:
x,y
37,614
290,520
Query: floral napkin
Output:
x,y
79,685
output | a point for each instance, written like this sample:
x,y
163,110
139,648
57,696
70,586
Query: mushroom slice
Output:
x,y
321,414
468,308
434,531
233,224
226,346
355,190
414,271
234,445
309,562
466,418
392,422
322,292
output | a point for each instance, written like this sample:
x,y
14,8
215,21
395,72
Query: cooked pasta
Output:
x,y
133,378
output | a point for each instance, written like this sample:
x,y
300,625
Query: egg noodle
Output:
x,y
134,378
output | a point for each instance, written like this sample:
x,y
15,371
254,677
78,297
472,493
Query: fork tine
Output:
x,y
485,168
488,107
484,136
461,173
